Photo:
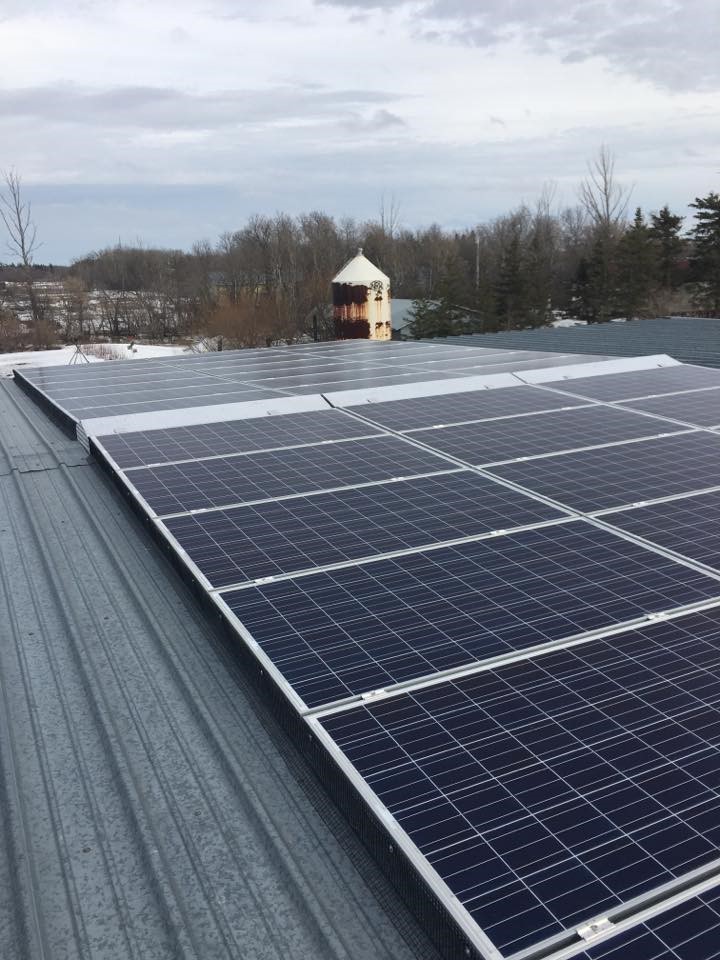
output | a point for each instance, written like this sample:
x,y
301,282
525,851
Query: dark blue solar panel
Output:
x,y
237,436
700,408
495,440
246,543
456,407
202,484
640,383
552,790
689,525
625,474
690,931
360,628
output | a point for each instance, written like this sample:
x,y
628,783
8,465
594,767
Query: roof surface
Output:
x,y
491,626
151,807
691,339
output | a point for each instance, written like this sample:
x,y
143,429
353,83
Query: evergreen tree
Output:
x,y
580,300
510,285
538,281
444,315
664,232
636,268
595,282
706,255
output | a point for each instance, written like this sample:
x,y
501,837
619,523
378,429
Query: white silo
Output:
x,y
361,301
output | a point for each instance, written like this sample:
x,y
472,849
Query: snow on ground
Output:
x,y
568,322
103,351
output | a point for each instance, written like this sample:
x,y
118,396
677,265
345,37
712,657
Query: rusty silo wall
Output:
x,y
350,311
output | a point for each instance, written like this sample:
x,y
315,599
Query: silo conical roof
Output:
x,y
360,270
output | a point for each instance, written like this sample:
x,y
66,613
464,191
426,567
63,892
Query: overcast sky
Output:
x,y
170,122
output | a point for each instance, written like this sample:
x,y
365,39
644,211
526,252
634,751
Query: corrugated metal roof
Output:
x,y
690,339
151,807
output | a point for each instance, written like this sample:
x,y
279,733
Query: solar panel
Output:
x,y
689,525
237,436
456,407
699,407
640,383
549,791
613,476
203,484
341,633
497,440
689,931
246,543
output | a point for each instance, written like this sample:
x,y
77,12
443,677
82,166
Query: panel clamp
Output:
x,y
596,928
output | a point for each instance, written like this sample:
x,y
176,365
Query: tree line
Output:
x,y
269,280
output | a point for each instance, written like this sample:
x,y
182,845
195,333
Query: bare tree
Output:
x,y
16,214
22,242
604,199
605,202
389,215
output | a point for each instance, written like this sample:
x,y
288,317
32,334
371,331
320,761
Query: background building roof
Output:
x,y
690,339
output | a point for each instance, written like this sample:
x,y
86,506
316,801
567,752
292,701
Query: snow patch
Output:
x,y
64,356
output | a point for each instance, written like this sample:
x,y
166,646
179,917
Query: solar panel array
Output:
x,y
511,656
554,789
236,376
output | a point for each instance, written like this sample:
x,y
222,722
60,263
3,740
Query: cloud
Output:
x,y
170,109
211,114
382,119
461,186
671,43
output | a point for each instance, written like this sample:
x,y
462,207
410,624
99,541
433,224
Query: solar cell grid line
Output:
x,y
689,931
70,389
107,407
144,448
474,405
608,477
690,526
283,537
227,481
486,360
700,408
331,386
530,436
132,394
125,392
547,792
641,383
338,634
344,376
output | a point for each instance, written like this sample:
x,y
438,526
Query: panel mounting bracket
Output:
x,y
596,928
